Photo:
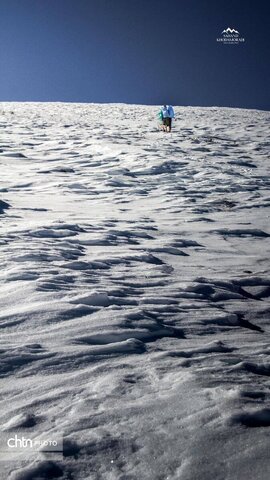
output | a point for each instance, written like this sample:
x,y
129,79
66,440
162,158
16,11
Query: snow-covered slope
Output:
x,y
135,291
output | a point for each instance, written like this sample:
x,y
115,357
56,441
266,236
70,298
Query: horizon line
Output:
x,y
128,103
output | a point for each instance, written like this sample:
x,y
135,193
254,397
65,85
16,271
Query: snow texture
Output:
x,y
135,291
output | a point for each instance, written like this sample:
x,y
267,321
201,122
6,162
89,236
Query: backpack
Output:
x,y
168,110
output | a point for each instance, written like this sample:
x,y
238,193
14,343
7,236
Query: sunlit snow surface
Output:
x,y
135,291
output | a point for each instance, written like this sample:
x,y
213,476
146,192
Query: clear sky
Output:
x,y
135,51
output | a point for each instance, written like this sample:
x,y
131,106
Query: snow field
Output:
x,y
135,291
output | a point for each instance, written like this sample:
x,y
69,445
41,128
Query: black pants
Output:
x,y
167,122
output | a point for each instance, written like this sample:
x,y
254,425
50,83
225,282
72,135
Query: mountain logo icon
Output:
x,y
230,36
230,30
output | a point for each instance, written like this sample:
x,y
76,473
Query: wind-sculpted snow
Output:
x,y
135,291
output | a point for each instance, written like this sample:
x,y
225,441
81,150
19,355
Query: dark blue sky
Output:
x,y
135,51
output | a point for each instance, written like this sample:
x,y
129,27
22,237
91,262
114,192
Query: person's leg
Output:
x,y
166,124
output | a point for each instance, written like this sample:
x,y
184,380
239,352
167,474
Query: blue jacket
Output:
x,y
167,112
